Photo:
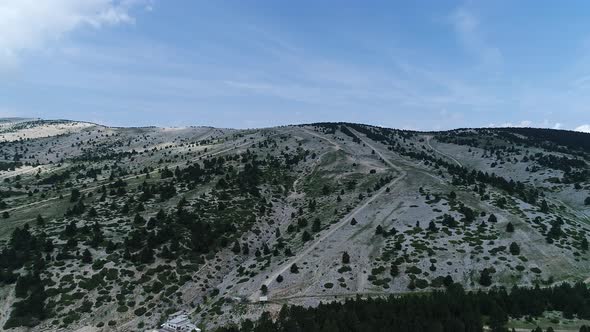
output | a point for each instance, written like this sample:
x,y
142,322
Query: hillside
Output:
x,y
113,229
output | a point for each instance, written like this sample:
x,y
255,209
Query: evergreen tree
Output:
x,y
379,230
71,229
485,278
492,218
394,270
40,220
345,258
236,248
509,227
92,212
146,255
86,256
584,244
432,227
74,195
316,226
305,236
544,206
514,249
448,281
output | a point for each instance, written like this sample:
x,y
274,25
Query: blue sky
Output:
x,y
415,64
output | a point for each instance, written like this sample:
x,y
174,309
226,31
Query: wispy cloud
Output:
x,y
583,128
468,30
28,25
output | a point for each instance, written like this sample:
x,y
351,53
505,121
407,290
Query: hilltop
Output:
x,y
113,229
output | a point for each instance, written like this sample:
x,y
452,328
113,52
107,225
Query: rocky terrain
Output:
x,y
113,229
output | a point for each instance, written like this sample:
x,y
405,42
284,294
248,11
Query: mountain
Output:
x,y
114,229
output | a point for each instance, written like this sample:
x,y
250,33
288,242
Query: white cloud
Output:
x,y
468,30
583,128
34,24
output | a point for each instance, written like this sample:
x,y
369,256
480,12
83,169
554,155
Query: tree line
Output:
x,y
452,310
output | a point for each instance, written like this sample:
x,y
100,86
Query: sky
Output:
x,y
424,65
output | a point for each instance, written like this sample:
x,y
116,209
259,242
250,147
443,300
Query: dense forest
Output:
x,y
453,310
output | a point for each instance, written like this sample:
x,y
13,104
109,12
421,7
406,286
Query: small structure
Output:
x,y
263,299
179,322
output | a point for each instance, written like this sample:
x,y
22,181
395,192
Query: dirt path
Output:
x,y
335,146
129,323
332,230
344,221
23,206
5,306
339,296
428,138
362,281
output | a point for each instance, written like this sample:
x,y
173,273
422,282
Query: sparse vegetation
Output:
x,y
139,222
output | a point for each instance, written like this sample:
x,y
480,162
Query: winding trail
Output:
x,y
335,227
90,188
335,146
6,305
428,138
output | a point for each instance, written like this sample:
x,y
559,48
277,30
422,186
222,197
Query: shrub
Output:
x,y
139,311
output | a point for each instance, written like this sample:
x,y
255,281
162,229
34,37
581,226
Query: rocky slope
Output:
x,y
112,229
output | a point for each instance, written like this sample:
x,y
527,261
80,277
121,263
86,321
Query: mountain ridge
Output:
x,y
214,221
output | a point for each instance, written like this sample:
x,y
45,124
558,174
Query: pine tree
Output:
x,y
544,206
305,236
71,229
448,281
492,218
92,212
485,278
509,227
584,244
74,195
394,270
379,230
316,226
432,227
345,258
236,248
146,255
40,220
86,256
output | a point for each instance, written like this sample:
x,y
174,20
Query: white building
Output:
x,y
179,322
